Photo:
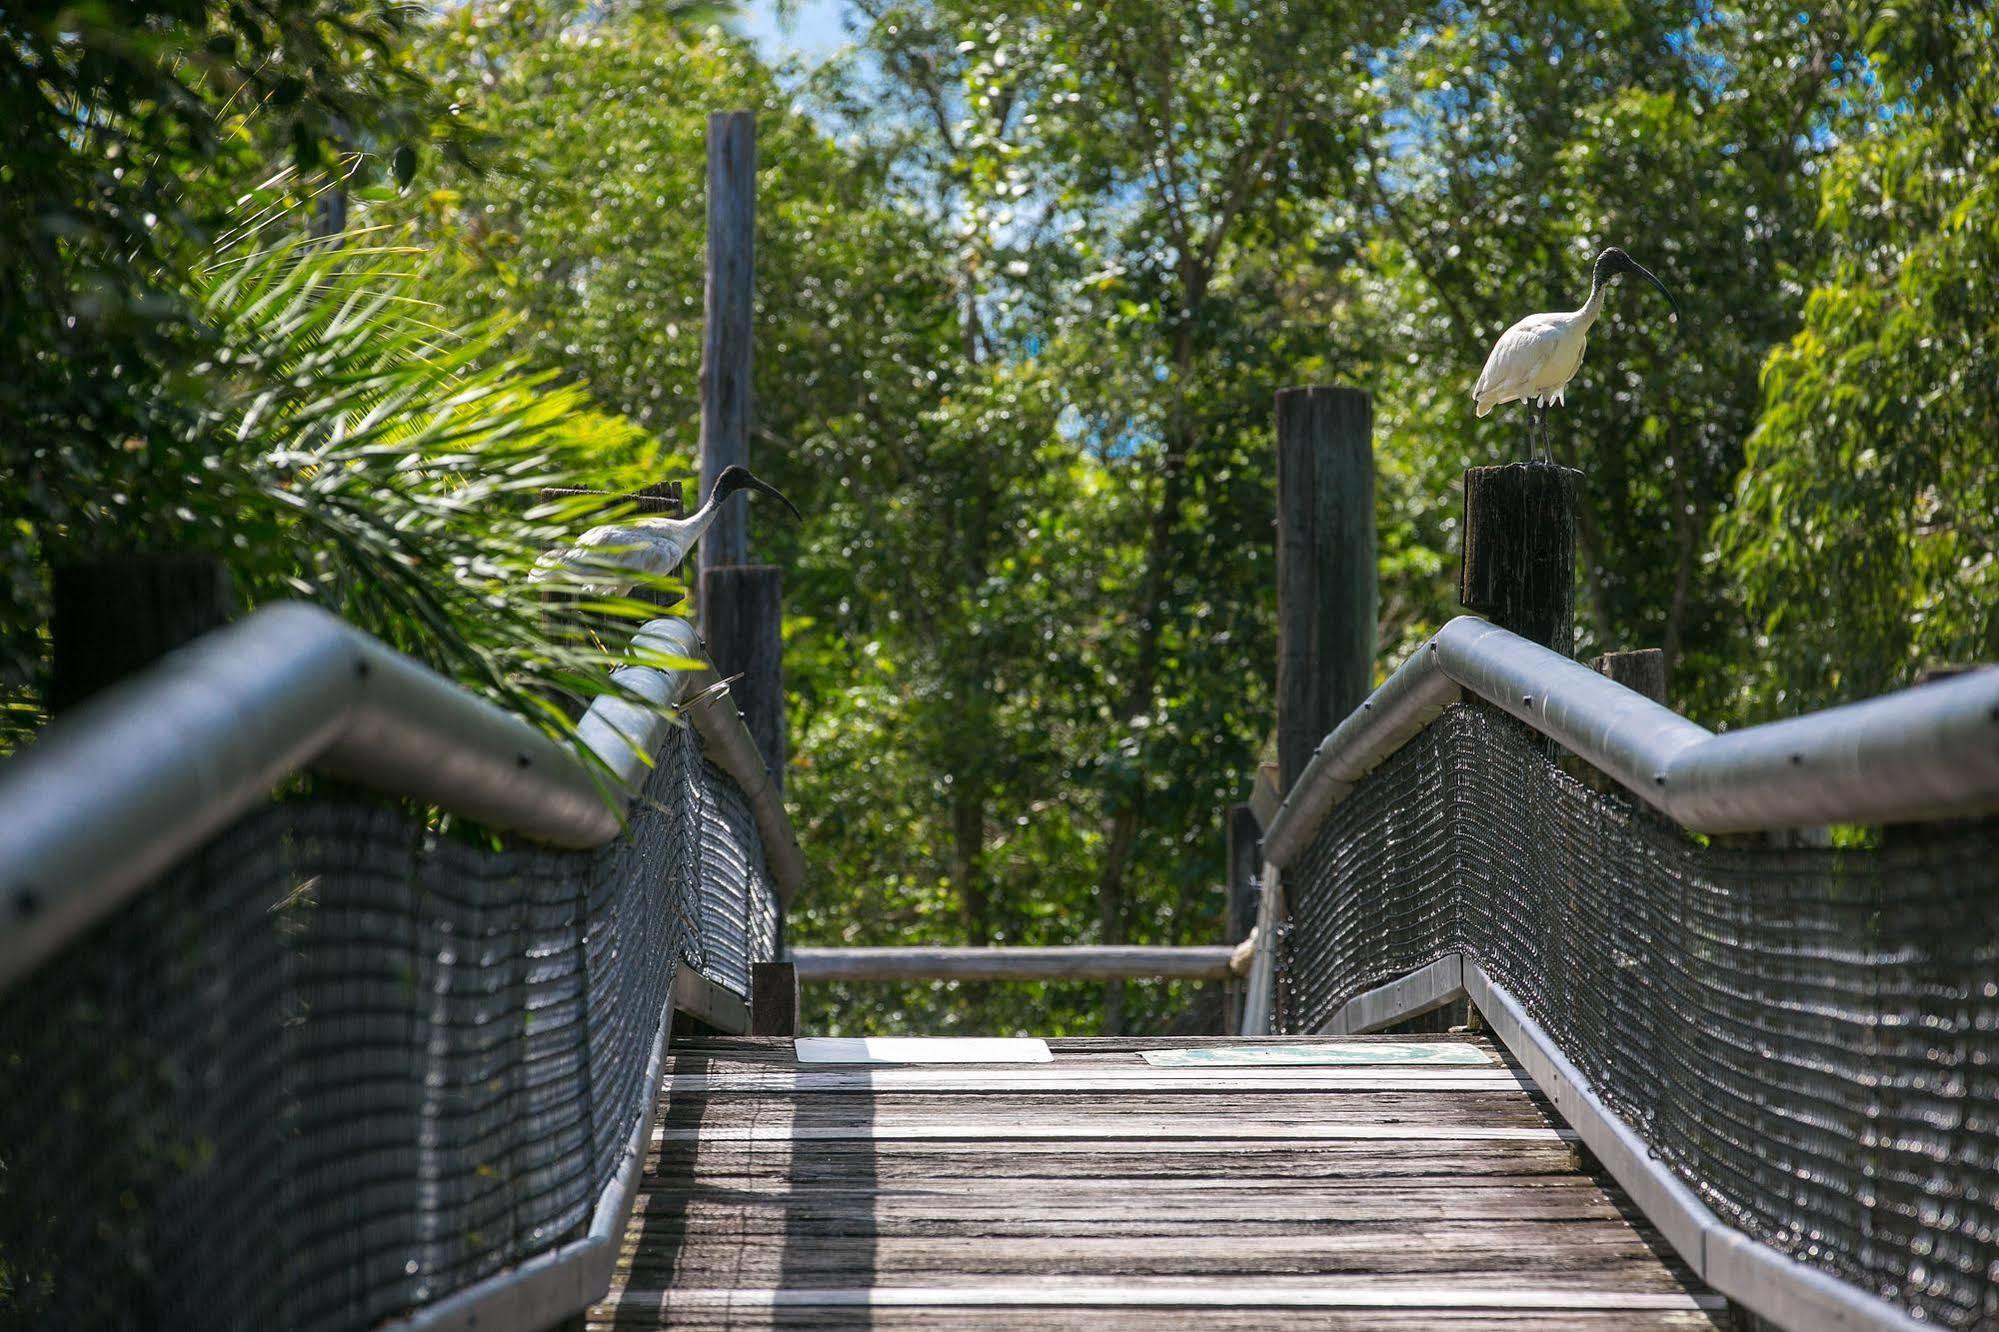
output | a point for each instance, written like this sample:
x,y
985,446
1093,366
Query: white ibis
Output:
x,y
1537,357
605,559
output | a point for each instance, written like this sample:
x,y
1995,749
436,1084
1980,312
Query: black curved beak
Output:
x,y
771,490
1646,273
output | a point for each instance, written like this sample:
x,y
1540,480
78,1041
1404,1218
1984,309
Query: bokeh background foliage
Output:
x,y
332,288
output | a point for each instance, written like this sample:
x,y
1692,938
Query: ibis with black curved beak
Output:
x,y
608,560
1537,357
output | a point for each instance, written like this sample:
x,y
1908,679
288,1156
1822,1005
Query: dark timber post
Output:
x,y
742,619
115,616
1642,671
1326,593
1519,566
774,999
725,347
740,603
1243,836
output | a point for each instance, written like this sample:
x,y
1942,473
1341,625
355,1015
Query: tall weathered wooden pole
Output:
x,y
1326,594
725,346
742,624
741,604
1519,566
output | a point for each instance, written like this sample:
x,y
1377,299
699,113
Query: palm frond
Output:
x,y
389,467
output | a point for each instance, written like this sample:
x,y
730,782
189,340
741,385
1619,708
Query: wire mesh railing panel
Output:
x,y
1366,899
738,904
339,1064
1807,1036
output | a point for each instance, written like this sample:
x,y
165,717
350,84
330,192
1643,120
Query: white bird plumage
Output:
x,y
1536,358
610,560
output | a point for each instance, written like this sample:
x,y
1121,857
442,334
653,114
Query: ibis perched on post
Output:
x,y
1537,357
609,560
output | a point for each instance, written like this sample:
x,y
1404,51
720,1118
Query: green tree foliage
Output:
x,y
592,231
1124,189
360,455
136,136
1434,173
1512,148
1029,275
1864,534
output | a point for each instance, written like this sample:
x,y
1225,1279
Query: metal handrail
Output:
x,y
1930,752
108,799
1926,753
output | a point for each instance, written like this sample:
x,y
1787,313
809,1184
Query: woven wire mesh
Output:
x,y
739,910
1807,1036
339,1064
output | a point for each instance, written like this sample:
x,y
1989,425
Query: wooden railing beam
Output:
x,y
1081,963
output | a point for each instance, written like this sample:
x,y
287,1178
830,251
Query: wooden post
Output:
x,y
1519,566
742,607
115,616
1326,594
773,999
1642,671
725,347
1244,848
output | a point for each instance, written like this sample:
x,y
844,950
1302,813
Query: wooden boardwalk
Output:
x,y
1101,1192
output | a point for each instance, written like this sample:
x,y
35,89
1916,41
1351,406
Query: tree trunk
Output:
x,y
968,840
1110,899
1150,628
1684,528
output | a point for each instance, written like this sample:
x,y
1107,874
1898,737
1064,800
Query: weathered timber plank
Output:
x,y
609,1317
1056,1077
1188,1133
1063,1164
725,1051
1190,1293
1193,1107
1266,1149
1255,1211
781,1045
1592,1254
1097,1191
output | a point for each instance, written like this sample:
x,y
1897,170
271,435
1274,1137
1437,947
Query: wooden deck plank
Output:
x,y
876,1160
1505,1106
975,1080
1592,1254
1098,1191
607,1318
